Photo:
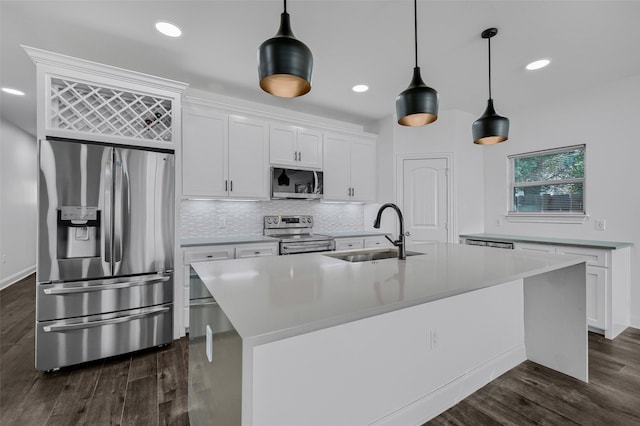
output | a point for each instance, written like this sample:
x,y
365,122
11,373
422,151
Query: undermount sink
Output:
x,y
368,255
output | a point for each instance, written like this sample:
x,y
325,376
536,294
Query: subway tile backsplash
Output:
x,y
217,218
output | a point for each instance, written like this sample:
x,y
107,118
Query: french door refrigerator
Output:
x,y
105,251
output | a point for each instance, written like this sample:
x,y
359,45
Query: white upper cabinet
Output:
x,y
224,156
349,173
295,146
85,100
204,154
248,158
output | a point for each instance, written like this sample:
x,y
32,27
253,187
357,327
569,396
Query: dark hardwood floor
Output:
x,y
145,388
150,387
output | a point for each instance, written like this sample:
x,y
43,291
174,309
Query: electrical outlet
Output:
x,y
222,222
433,339
601,224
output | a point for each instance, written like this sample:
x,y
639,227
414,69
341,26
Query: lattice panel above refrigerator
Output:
x,y
94,109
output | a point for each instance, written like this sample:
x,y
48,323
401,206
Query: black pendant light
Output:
x,y
491,128
285,63
418,104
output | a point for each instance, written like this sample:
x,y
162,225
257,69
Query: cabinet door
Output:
x,y
337,165
362,170
349,243
596,297
282,145
204,154
248,158
310,148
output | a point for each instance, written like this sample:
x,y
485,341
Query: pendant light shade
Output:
x,y
285,63
418,104
491,128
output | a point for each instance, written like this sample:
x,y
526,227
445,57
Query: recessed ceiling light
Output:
x,y
168,29
359,88
536,65
13,91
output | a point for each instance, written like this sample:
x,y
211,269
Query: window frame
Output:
x,y
546,216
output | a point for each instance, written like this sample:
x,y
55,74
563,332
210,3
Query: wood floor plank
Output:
x,y
144,364
37,405
107,405
71,406
141,402
171,373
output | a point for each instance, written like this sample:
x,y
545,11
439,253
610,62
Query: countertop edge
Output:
x,y
612,245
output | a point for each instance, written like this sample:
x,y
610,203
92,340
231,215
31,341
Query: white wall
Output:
x,y
606,120
18,210
451,133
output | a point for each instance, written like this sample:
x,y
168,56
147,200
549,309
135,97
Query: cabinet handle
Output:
x,y
295,156
353,192
299,156
231,186
349,191
226,185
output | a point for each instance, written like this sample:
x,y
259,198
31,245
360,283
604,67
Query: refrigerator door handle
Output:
x,y
103,287
120,207
100,323
108,209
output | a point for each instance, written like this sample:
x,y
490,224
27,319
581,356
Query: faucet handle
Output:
x,y
390,240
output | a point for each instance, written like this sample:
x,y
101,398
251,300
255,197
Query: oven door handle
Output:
x,y
103,287
90,324
305,246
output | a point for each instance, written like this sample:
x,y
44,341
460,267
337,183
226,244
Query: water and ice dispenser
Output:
x,y
78,232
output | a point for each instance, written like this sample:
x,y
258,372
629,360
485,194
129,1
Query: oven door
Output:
x,y
298,247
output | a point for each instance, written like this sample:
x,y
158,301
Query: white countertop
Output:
x,y
275,297
613,245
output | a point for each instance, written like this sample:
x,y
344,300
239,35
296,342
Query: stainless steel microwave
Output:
x,y
296,184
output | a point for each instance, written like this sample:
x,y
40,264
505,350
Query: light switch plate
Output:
x,y
601,224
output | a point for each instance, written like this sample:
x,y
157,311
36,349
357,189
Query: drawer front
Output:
x,y
536,248
75,299
76,340
349,243
594,257
372,242
256,251
211,253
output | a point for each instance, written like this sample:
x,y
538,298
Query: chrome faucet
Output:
x,y
402,253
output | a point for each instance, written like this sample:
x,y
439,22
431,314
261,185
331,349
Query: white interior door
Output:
x,y
425,198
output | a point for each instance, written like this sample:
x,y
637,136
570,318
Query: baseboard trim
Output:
x,y
440,400
17,277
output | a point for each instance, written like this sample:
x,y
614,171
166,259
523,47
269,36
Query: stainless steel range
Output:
x,y
296,234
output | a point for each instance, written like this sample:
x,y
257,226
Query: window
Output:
x,y
548,182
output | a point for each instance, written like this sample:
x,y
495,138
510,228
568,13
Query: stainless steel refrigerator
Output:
x,y
105,251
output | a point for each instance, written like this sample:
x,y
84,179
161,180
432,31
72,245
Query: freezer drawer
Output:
x,y
92,297
76,340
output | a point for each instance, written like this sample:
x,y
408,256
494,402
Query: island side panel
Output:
x,y
394,368
555,320
619,292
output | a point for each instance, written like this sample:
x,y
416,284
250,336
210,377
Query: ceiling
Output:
x,y
353,42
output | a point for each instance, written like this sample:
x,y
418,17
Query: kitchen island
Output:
x,y
319,340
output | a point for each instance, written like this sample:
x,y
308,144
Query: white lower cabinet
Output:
x,y
219,252
353,243
607,298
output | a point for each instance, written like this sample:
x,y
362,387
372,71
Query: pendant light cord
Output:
x,y
285,6
415,28
489,41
